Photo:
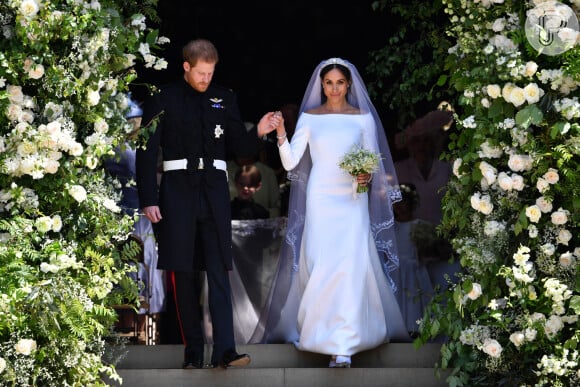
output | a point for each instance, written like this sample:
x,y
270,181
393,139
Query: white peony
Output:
x,y
544,204
517,96
534,213
566,260
532,93
517,338
542,185
494,91
78,192
564,237
475,291
551,176
25,346
492,347
560,217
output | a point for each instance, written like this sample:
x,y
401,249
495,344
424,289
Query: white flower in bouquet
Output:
x,y
359,161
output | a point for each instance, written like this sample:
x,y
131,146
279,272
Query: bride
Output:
x,y
333,294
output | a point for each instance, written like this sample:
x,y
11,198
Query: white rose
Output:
x,y
564,237
29,8
36,71
56,223
25,346
493,91
75,149
78,193
93,97
544,204
517,182
551,176
456,165
542,185
530,69
43,224
518,163
505,181
111,205
530,334
532,93
48,268
566,260
488,172
548,249
2,364
553,325
475,291
91,162
559,217
533,213
492,348
517,338
517,96
485,205
51,166
498,25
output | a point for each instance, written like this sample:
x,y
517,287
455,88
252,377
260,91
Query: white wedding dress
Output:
x,y
346,304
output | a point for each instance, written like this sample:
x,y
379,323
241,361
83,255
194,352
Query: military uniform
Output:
x,y
194,132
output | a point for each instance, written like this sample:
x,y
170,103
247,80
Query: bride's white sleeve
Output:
x,y
291,152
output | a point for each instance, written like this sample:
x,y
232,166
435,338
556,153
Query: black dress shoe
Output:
x,y
192,360
192,363
233,359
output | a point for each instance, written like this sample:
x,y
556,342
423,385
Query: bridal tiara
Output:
x,y
335,61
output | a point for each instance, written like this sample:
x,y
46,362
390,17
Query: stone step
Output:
x,y
393,364
391,355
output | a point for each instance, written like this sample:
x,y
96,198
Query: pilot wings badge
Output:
x,y
216,103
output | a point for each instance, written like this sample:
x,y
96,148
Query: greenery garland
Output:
x,y
512,207
65,71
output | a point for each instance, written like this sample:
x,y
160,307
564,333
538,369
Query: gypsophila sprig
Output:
x,y
65,71
358,161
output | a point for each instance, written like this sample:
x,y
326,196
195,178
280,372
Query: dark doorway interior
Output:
x,y
268,48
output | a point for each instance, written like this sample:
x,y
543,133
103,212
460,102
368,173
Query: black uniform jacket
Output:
x,y
190,125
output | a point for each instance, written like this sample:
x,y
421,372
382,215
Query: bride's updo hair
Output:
x,y
343,69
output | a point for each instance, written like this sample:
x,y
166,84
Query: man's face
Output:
x,y
198,76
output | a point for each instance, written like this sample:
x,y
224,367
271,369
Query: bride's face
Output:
x,y
335,85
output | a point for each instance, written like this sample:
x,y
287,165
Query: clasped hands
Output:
x,y
272,121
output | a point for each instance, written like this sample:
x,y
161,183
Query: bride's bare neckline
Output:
x,y
324,110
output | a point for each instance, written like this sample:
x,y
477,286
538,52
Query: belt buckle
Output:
x,y
200,165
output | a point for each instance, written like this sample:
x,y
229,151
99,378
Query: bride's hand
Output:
x,y
363,179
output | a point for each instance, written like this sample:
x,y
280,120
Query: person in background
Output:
x,y
248,181
341,290
122,167
268,195
194,123
423,141
415,289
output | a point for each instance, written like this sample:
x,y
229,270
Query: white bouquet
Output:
x,y
358,161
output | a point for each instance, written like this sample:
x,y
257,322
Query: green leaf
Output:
x,y
530,115
559,128
575,304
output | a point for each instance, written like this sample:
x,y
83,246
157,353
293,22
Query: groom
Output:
x,y
195,124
